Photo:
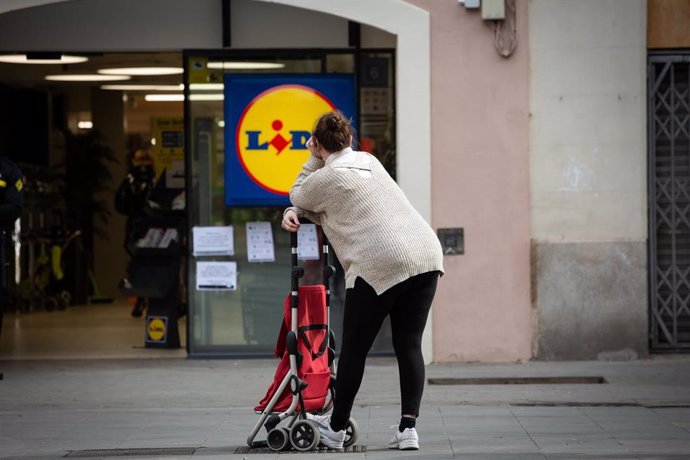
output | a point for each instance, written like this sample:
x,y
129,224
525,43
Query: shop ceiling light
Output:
x,y
180,97
207,97
179,87
230,65
24,59
85,124
206,86
86,77
142,71
164,97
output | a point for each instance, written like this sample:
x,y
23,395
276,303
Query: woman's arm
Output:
x,y
308,193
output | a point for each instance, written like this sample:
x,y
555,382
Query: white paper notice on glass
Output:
x,y
307,243
260,242
213,241
216,276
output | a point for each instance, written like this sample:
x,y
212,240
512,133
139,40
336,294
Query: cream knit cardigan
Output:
x,y
374,230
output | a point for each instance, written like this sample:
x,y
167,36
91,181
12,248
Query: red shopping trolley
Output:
x,y
304,380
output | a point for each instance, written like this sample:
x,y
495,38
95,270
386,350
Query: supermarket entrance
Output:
x,y
74,123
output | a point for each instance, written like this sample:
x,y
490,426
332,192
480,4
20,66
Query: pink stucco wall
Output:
x,y
480,181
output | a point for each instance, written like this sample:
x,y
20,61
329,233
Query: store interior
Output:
x,y
72,123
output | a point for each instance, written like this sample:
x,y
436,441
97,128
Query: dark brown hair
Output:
x,y
333,131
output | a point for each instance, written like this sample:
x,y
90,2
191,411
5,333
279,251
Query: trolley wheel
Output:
x,y
351,433
304,435
278,439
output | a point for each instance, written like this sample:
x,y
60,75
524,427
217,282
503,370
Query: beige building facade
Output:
x,y
529,134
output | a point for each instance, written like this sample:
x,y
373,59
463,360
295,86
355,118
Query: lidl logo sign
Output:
x,y
157,328
272,133
270,120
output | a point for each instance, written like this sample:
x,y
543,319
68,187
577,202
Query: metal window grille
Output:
x,y
669,201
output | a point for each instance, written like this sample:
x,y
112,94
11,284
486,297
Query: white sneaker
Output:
x,y
329,438
407,440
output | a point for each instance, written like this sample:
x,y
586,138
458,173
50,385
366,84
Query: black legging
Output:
x,y
408,304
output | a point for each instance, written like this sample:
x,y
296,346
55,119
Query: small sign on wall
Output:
x,y
213,241
169,149
260,242
216,276
452,240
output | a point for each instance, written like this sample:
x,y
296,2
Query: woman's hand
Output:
x,y
313,147
290,221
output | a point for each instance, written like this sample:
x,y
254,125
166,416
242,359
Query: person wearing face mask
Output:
x,y
132,198
392,261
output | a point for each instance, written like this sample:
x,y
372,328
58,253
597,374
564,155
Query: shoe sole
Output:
x,y
405,445
340,447
325,441
328,444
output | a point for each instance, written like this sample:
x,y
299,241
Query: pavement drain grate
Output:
x,y
140,452
319,450
517,380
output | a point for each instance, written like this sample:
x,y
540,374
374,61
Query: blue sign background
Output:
x,y
240,90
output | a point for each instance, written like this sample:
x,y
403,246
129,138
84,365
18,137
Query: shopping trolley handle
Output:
x,y
293,241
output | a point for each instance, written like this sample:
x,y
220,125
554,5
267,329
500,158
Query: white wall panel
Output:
x,y
588,125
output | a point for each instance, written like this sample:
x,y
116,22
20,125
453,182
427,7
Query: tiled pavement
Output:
x,y
49,409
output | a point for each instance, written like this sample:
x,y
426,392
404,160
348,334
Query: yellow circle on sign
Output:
x,y
156,329
272,133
